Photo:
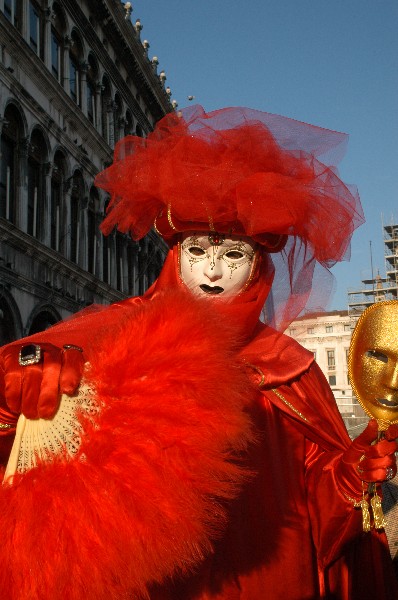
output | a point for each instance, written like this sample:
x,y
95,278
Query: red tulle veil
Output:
x,y
244,172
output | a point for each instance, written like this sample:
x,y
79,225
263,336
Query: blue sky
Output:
x,y
333,63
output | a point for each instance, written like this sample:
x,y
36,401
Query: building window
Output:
x,y
57,44
329,328
9,164
75,59
34,28
7,178
9,8
12,12
7,324
292,331
310,330
347,327
332,379
347,353
55,56
331,359
74,80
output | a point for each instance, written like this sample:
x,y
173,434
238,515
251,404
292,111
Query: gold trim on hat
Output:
x,y
169,217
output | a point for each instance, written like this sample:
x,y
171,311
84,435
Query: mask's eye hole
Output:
x,y
196,251
377,355
234,254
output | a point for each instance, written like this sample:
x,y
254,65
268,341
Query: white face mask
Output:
x,y
212,264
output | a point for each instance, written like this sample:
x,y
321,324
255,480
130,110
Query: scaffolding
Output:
x,y
378,288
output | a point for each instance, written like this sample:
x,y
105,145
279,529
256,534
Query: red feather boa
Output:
x,y
144,498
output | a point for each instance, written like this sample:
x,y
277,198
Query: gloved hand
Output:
x,y
366,461
34,387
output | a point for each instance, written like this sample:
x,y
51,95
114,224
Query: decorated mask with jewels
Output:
x,y
216,265
373,361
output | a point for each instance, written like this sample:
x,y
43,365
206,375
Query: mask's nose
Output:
x,y
392,375
213,268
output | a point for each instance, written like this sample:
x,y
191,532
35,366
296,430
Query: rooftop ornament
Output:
x,y
128,7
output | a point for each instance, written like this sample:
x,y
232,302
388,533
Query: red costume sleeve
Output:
x,y
351,563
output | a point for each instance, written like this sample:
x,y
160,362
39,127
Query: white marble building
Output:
x,y
328,336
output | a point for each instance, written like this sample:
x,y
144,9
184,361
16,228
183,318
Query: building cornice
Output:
x,y
48,257
122,36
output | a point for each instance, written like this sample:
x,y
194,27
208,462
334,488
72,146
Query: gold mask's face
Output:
x,y
373,361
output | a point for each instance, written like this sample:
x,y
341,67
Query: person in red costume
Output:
x,y
175,446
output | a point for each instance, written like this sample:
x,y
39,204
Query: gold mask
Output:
x,y
373,362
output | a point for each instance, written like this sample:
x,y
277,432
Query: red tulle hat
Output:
x,y
244,172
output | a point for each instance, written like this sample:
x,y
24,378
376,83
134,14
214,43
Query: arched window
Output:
x,y
138,131
75,212
36,28
57,42
75,60
8,331
92,76
10,142
43,321
37,160
57,191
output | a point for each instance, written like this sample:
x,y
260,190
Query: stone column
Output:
x,y
110,124
82,259
112,270
98,108
121,126
65,238
21,195
43,226
83,87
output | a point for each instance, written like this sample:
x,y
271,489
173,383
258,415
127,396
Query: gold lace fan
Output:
x,y
43,439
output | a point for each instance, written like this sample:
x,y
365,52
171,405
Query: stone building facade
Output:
x,y
328,336
75,78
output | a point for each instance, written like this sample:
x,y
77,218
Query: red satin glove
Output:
x,y
367,462
35,389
